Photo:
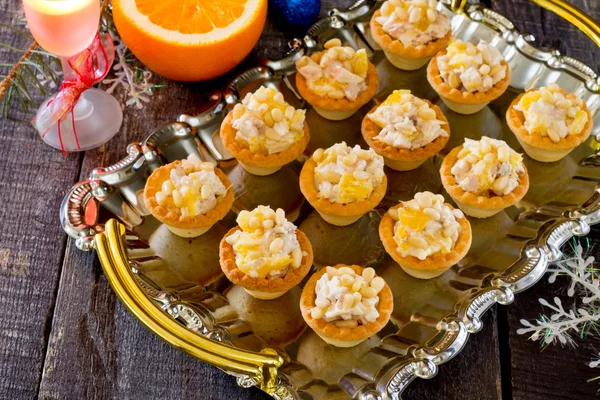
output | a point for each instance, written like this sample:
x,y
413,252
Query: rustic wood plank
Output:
x,y
556,372
33,179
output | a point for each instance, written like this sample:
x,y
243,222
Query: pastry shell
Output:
x,y
542,148
324,103
434,264
406,57
263,288
402,159
349,212
261,161
473,204
464,102
344,337
189,222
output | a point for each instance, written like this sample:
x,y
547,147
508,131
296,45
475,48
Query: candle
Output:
x,y
63,27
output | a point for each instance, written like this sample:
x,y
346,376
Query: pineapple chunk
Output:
x,y
457,46
395,97
578,122
354,190
414,220
361,63
274,264
401,233
423,22
529,98
189,202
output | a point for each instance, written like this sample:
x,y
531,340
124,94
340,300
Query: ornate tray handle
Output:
x,y
257,368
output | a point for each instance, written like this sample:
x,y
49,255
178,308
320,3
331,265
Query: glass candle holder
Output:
x,y
66,28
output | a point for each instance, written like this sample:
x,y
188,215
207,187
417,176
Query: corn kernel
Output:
x,y
269,121
316,313
332,177
548,97
268,224
495,69
347,301
431,16
378,284
254,223
276,245
345,270
333,43
277,114
296,257
401,13
368,274
318,155
177,198
205,192
350,159
564,103
453,80
161,199
414,16
426,113
238,111
336,94
278,97
261,95
349,323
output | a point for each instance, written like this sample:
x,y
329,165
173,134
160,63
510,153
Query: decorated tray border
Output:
x,y
190,326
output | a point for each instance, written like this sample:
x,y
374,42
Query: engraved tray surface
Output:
x,y
432,319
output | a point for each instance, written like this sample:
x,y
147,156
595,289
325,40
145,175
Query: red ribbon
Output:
x,y
90,66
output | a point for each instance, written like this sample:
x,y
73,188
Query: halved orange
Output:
x,y
190,40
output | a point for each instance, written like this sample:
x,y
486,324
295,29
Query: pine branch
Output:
x,y
564,325
22,79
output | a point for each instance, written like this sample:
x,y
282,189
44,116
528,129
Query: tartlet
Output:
x,y
498,190
331,98
422,32
265,254
264,132
396,144
477,85
341,198
363,318
194,213
423,242
566,124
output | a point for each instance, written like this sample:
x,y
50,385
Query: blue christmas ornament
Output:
x,y
294,15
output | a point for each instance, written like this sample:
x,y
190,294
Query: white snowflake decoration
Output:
x,y
563,325
135,81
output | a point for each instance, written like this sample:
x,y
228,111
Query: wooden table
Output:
x,y
64,334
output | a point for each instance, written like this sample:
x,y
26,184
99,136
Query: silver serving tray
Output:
x,y
432,319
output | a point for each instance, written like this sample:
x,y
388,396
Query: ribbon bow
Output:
x,y
90,66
